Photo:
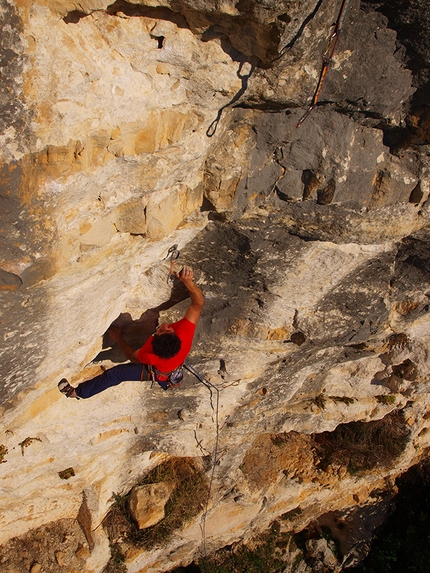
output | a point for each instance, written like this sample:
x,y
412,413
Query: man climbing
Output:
x,y
158,359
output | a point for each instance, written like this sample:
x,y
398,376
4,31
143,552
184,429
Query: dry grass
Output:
x,y
3,452
186,501
362,446
397,341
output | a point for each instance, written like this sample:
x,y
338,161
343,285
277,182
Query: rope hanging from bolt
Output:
x,y
326,57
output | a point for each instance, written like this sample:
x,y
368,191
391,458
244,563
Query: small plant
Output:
x,y
278,440
297,560
319,401
3,452
119,500
264,554
332,543
67,474
292,514
388,400
116,562
344,399
25,443
398,340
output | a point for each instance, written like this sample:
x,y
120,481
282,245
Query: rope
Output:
x,y
326,57
211,387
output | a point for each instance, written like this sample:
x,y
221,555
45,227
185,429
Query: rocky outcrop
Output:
x,y
129,127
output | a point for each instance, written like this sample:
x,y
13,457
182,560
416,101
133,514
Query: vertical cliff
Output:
x,y
128,127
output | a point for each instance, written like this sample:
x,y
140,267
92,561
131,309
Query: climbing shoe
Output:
x,y
66,389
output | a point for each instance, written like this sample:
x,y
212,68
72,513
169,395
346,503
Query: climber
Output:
x,y
159,359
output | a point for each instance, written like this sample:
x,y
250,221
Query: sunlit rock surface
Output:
x,y
129,127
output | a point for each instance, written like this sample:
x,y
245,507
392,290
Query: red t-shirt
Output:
x,y
184,329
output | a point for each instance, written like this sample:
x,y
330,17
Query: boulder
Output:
x,y
147,503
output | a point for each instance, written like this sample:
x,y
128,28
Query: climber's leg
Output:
x,y
112,377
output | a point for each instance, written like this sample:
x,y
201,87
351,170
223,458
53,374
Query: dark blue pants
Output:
x,y
112,377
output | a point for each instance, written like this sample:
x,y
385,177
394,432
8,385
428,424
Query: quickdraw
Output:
x,y
326,57
173,255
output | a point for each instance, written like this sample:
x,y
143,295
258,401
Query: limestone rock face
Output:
x,y
129,127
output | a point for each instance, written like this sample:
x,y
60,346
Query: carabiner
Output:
x,y
173,255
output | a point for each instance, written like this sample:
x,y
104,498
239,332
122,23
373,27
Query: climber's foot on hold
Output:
x,y
66,389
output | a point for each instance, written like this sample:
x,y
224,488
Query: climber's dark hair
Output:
x,y
166,345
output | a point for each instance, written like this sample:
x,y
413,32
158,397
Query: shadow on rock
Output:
x,y
136,332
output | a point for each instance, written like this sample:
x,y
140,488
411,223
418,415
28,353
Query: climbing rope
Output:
x,y
173,255
326,57
215,408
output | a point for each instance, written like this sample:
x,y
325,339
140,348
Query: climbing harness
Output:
x,y
172,255
165,379
215,408
326,57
